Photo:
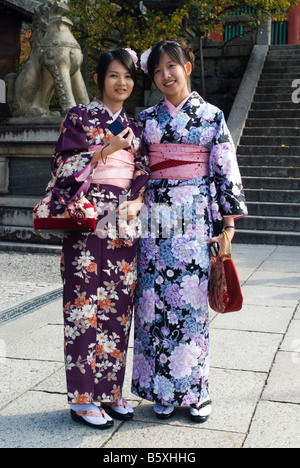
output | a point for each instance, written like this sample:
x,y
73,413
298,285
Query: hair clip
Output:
x,y
133,56
144,60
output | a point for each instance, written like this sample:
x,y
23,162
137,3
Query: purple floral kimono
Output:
x,y
171,347
98,271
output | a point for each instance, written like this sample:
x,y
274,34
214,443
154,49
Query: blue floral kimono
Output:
x,y
171,346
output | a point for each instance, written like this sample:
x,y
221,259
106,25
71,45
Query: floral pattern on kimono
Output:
x,y
98,269
171,345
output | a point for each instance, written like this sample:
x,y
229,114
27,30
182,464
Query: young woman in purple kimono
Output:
x,y
194,182
99,268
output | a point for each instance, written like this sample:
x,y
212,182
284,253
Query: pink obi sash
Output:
x,y
178,161
118,170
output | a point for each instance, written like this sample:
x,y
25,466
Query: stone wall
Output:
x,y
224,67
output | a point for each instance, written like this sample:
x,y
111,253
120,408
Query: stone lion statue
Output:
x,y
54,63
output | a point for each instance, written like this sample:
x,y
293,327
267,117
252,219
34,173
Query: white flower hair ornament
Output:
x,y
133,56
144,60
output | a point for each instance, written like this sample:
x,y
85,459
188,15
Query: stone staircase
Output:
x,y
269,154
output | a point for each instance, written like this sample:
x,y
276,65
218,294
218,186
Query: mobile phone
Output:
x,y
214,249
116,127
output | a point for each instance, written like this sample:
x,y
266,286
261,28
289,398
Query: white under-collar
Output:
x,y
174,110
113,116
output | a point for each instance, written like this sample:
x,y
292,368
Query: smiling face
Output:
x,y
171,79
118,85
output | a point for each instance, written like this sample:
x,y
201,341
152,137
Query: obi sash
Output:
x,y
118,170
178,161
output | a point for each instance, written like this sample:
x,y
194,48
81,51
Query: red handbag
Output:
x,y
80,215
224,293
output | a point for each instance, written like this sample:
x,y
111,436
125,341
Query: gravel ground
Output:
x,y
30,267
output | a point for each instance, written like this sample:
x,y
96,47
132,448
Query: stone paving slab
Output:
x,y
275,425
254,377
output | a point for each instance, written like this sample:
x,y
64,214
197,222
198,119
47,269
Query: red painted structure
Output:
x,y
294,25
292,18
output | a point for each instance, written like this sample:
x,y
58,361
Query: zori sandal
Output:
x,y
98,420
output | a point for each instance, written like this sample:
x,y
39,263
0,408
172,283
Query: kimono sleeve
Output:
x,y
71,163
141,164
226,187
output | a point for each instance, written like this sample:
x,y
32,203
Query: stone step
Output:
x,y
261,171
272,131
278,81
263,195
280,58
259,208
274,141
26,235
273,114
275,105
266,88
258,236
268,149
270,223
16,224
17,211
29,247
271,183
283,59
286,48
272,97
15,217
269,161
282,67
290,79
272,122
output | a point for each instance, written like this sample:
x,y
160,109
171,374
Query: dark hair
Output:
x,y
179,51
109,56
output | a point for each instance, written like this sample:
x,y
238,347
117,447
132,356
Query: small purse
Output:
x,y
80,215
224,293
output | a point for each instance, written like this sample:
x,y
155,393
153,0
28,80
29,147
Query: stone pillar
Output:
x,y
3,175
263,36
294,25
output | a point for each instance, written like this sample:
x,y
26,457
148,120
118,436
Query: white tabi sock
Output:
x,y
90,407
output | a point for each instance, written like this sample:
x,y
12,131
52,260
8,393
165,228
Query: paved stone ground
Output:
x,y
254,378
27,280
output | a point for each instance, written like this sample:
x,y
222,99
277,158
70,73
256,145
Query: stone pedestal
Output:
x,y
25,155
26,149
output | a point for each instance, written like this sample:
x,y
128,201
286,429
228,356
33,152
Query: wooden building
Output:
x,y
12,17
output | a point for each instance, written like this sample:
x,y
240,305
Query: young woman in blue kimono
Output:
x,y
99,268
194,182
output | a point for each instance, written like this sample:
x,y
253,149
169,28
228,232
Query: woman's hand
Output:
x,y
221,240
129,209
137,173
117,143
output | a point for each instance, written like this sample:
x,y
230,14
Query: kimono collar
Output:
x,y
174,110
113,116
96,104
